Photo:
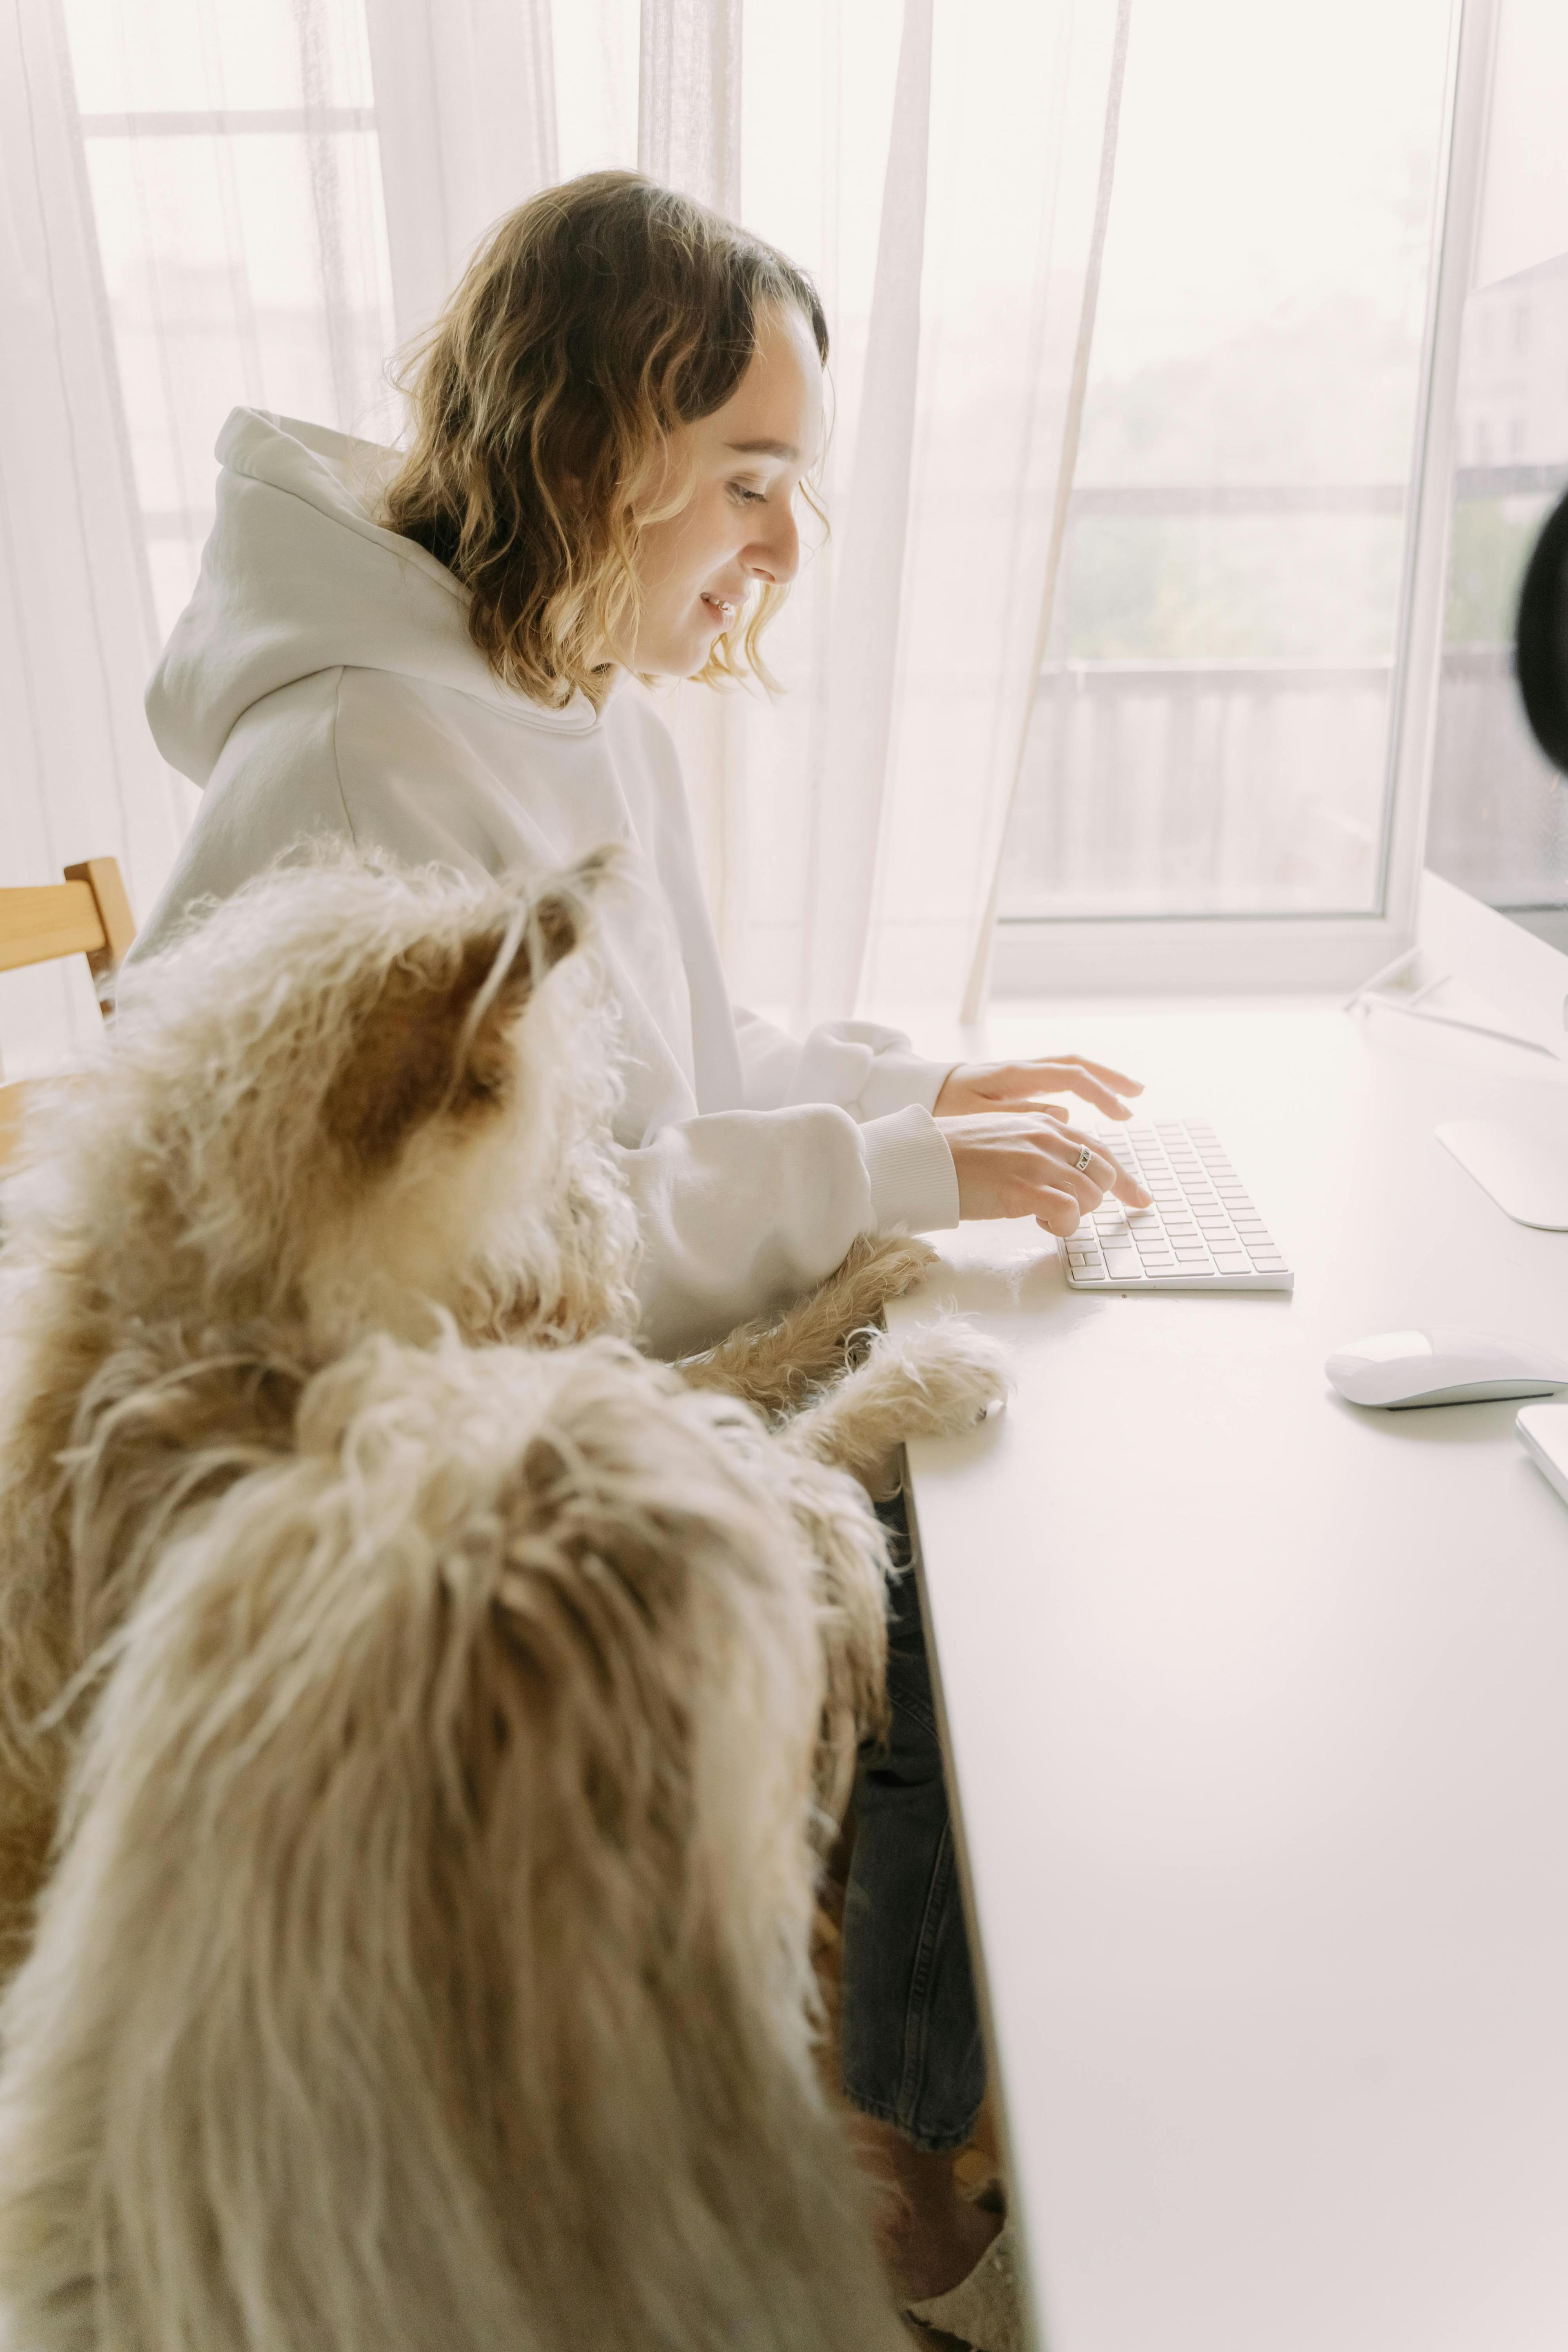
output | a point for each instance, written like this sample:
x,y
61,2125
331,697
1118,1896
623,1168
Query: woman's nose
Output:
x,y
777,556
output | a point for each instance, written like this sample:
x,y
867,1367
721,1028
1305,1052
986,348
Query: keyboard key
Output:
x,y
1232,1261
1191,1254
1270,1265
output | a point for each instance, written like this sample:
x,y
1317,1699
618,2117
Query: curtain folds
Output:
x,y
1038,556
465,107
959,427
850,788
76,634
689,98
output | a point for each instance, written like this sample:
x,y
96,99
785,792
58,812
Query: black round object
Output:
x,y
1541,638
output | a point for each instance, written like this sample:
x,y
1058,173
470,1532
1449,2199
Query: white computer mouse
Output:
x,y
1410,1368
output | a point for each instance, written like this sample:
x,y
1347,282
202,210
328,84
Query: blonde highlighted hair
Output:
x,y
595,319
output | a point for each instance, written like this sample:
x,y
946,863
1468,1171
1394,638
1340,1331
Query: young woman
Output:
x,y
612,425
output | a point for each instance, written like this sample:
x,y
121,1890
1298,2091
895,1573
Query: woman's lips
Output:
x,y
722,611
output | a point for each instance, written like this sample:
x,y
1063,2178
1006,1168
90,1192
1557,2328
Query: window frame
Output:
x,y
1033,956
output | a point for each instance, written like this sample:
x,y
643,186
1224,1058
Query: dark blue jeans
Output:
x,y
909,2034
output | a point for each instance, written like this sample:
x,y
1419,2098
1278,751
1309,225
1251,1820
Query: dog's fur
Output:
x,y
322,1114
344,1104
426,1967
845,1392
352,1107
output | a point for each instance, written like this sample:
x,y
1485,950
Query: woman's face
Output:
x,y
737,531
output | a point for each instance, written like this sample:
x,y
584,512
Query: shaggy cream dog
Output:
x,y
321,1113
346,1104
427,1969
364,1102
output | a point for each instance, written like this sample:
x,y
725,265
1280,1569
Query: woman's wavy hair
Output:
x,y
594,319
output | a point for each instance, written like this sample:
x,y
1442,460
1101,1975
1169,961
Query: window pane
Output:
x,y
1211,729
148,56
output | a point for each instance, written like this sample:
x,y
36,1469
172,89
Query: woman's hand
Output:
x,y
1019,1086
1026,1164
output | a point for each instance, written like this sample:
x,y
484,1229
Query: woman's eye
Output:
x,y
747,497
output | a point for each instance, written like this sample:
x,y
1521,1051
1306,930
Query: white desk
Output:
x,y
1259,1712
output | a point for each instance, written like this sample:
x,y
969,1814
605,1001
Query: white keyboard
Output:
x,y
1202,1231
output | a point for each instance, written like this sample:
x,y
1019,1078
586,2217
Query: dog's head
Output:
x,y
345,1091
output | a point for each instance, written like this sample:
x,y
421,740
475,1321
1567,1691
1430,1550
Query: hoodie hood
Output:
x,y
296,578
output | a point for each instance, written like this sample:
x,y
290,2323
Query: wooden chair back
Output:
x,y
86,914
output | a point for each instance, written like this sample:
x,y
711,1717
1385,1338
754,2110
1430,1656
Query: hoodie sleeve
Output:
x,y
867,1070
742,1209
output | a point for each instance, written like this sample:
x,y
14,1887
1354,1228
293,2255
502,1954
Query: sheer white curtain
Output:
x,y
465,112
945,176
77,634
285,189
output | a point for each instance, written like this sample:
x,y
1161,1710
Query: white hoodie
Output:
x,y
322,682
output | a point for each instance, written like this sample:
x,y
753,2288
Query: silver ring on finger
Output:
x,y
1081,1162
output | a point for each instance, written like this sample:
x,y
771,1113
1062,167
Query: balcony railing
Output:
x,y
1200,787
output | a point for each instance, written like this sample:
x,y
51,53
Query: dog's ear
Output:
x,y
558,921
439,1035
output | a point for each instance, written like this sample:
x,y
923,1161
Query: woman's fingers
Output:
x,y
1028,1164
1089,1081
1103,1168
1059,1213
973,1087
1117,1078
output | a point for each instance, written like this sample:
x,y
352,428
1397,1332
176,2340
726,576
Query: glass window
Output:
x,y
1212,725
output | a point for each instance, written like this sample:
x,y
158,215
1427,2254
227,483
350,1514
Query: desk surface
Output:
x,y
1259,1712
